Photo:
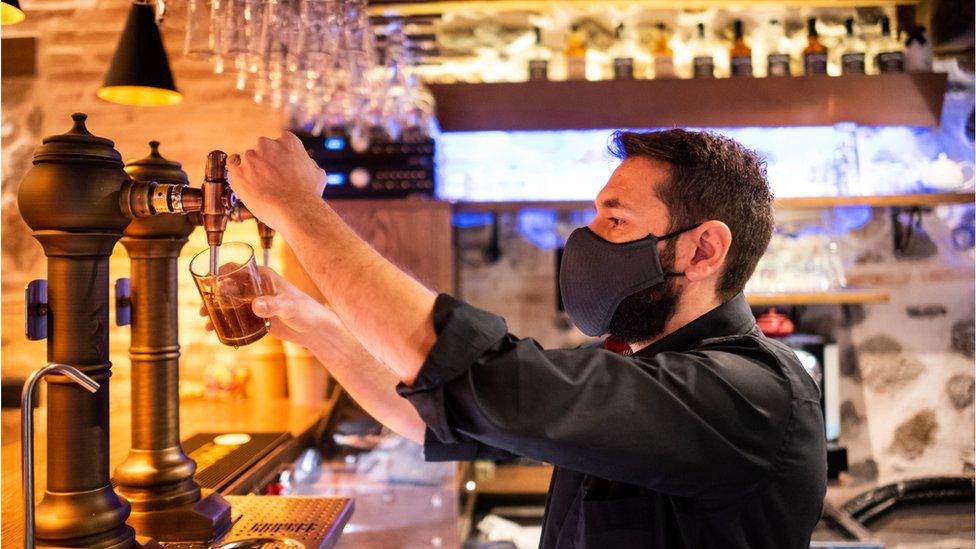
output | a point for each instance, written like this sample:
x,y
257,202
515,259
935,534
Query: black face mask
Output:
x,y
596,275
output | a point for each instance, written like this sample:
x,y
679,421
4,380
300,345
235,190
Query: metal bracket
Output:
x,y
902,231
123,302
35,298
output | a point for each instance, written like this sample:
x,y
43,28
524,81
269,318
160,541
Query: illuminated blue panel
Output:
x,y
335,144
574,164
335,179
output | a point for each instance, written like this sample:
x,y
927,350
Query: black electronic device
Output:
x,y
380,169
820,359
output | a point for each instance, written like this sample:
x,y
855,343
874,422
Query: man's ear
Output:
x,y
712,240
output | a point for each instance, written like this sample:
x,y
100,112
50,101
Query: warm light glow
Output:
x,y
140,96
232,439
10,15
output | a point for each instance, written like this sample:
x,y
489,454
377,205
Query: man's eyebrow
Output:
x,y
612,203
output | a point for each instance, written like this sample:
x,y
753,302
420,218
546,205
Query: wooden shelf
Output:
x,y
877,201
515,479
838,297
876,100
788,203
414,7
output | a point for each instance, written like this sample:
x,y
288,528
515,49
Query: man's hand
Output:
x,y
294,315
274,176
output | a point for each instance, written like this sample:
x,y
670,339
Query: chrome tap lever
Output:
x,y
27,435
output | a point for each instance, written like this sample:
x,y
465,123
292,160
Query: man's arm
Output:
x,y
298,318
370,384
388,311
691,424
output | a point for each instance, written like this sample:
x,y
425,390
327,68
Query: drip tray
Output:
x,y
281,522
223,457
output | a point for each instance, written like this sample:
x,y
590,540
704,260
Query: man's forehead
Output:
x,y
632,184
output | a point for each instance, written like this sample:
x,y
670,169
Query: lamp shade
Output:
x,y
10,12
139,74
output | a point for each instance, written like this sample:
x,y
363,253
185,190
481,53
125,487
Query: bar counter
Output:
x,y
197,415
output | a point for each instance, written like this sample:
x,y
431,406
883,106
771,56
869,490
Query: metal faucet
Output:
x,y
27,435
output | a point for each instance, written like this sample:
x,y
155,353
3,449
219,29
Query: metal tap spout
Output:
x,y
27,435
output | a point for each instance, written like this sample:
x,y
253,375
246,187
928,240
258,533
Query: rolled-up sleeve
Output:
x,y
676,422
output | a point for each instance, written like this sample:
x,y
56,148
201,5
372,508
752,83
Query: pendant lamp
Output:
x,y
139,74
10,12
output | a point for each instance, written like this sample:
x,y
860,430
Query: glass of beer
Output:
x,y
227,295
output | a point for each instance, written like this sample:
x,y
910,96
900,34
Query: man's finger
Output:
x,y
266,144
234,160
291,140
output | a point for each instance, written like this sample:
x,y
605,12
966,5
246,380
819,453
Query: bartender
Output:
x,y
685,428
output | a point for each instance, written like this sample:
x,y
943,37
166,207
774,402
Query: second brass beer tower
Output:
x,y
157,476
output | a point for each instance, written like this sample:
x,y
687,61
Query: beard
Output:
x,y
642,316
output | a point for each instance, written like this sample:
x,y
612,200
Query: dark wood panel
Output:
x,y
889,99
18,56
415,234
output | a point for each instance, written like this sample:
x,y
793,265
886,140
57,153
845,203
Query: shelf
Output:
x,y
414,7
837,297
878,201
788,203
884,99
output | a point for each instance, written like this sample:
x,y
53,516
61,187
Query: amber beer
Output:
x,y
228,294
234,321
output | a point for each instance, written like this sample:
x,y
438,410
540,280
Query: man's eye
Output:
x,y
615,221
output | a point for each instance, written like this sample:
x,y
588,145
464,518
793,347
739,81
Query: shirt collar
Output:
x,y
734,317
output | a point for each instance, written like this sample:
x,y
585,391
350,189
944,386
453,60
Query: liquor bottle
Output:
x,y
621,57
740,54
891,53
576,54
777,46
662,54
851,51
539,58
918,51
815,54
702,62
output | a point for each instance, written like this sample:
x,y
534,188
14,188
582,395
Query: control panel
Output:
x,y
381,169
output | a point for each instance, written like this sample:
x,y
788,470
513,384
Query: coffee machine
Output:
x,y
79,201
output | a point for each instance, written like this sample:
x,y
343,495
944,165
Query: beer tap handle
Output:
x,y
267,235
27,435
35,295
241,213
123,302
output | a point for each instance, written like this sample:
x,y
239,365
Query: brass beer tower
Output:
x,y
79,201
157,476
70,199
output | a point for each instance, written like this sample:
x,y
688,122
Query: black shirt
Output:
x,y
711,437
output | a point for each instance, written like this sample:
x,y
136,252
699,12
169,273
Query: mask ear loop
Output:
x,y
674,234
679,231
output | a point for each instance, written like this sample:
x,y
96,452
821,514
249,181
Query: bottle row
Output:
x,y
768,51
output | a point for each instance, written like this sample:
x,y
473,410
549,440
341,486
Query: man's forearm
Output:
x,y
388,311
371,384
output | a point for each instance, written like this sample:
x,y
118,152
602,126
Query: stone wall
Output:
x,y
76,39
906,381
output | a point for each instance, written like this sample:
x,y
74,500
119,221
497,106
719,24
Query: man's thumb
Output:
x,y
265,307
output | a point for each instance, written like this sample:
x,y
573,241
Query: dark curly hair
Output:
x,y
711,177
